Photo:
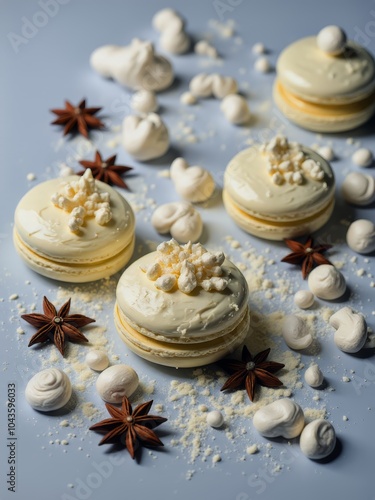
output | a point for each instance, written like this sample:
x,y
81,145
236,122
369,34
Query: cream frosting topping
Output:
x,y
186,267
248,182
45,229
304,69
198,314
135,65
82,199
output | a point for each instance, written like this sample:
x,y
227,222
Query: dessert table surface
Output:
x,y
45,48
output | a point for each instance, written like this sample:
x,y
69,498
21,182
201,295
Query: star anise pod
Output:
x,y
57,326
77,118
250,371
106,170
131,428
306,255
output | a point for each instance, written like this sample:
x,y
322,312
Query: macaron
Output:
x,y
182,306
322,89
75,229
279,190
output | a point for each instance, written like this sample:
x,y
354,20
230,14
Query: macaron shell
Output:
x,y
322,117
277,231
310,73
43,228
188,317
73,273
182,355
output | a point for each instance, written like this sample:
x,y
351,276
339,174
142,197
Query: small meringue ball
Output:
x,y
363,157
97,360
326,152
235,109
331,40
304,299
144,101
313,376
48,390
215,418
258,48
188,99
262,65
358,188
326,282
361,236
116,382
318,439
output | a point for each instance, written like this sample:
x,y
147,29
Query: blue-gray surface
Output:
x,y
45,48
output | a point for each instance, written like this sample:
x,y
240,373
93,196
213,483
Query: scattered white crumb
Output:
x,y
345,379
31,177
216,458
251,450
20,331
14,296
345,418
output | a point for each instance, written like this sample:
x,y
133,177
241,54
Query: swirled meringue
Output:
x,y
235,109
48,390
318,439
361,236
171,26
359,188
282,418
326,282
136,65
180,219
145,138
194,183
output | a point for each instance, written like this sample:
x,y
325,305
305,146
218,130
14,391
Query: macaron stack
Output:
x,y
75,229
182,306
326,83
279,190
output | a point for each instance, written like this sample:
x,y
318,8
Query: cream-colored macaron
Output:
x,y
279,190
74,229
182,306
322,91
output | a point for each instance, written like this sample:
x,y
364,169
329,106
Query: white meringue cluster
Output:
x,y
82,199
286,162
187,267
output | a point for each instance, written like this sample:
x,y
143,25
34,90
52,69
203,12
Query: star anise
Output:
x,y
57,326
77,118
106,170
306,255
131,428
250,371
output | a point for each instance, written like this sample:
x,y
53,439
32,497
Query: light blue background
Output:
x,y
53,65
